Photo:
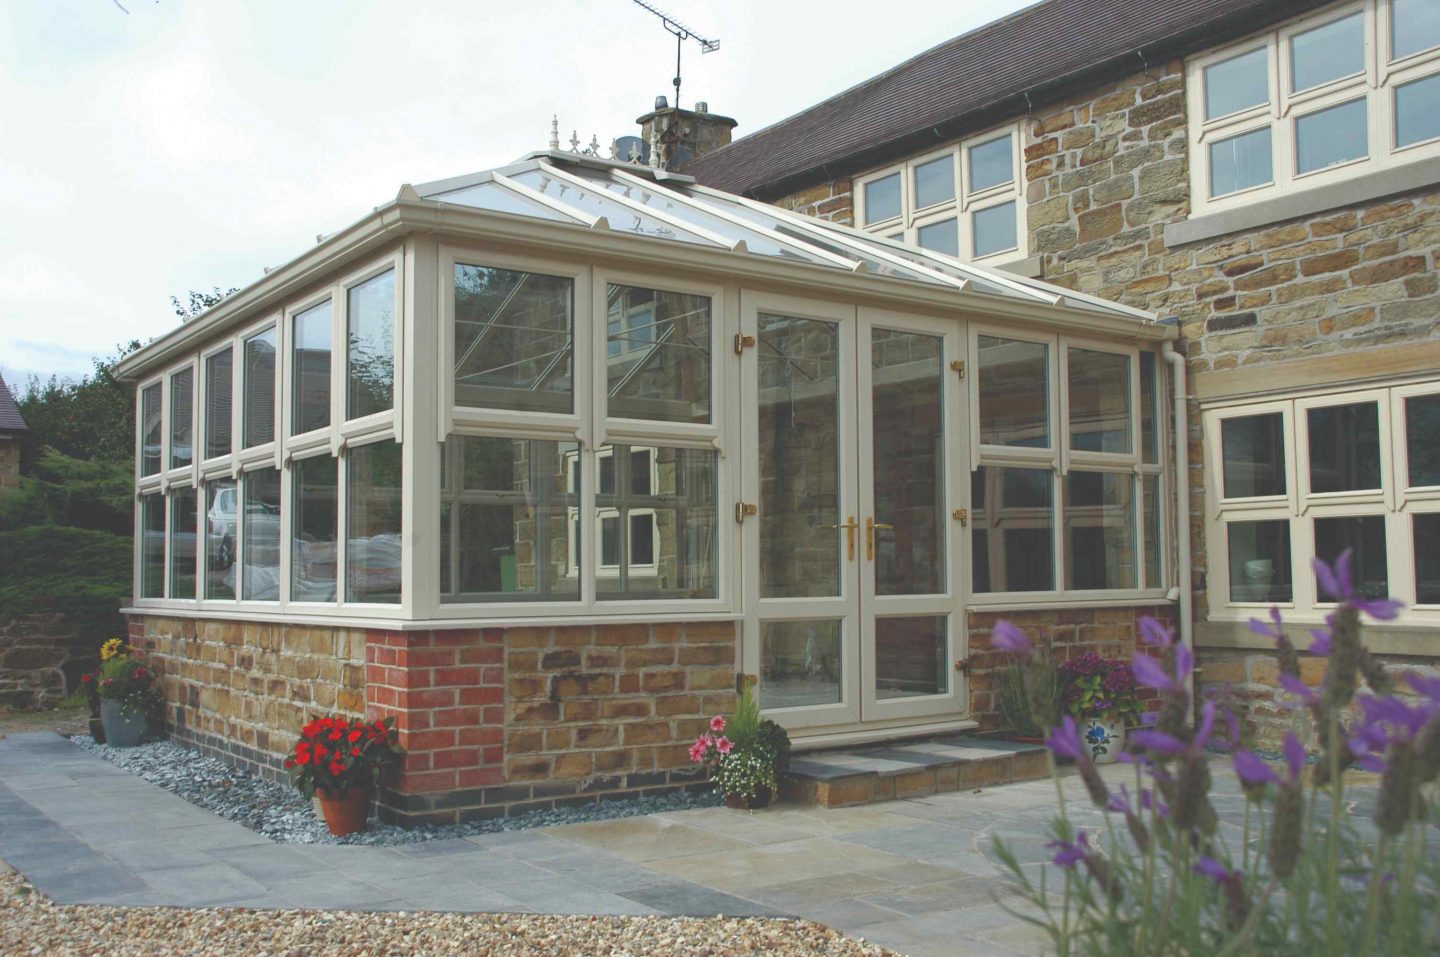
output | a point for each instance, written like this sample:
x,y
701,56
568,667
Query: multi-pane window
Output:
x,y
1350,89
310,369
219,400
372,523
314,546
1067,492
258,404
1312,477
182,418
182,545
150,429
963,201
370,346
152,546
222,499
261,534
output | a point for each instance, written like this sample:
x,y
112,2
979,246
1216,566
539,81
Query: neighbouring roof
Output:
x,y
980,78
10,420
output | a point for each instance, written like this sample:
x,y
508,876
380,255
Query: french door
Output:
x,y
852,452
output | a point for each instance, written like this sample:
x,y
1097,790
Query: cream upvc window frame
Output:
x,y
1060,460
962,207
1375,84
265,453
387,421
1394,502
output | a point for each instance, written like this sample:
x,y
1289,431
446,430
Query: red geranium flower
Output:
x,y
355,735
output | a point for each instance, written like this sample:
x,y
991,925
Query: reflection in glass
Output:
x,y
258,412
994,229
800,663
182,542
882,198
1150,490
675,553
1014,392
152,547
800,538
1240,162
150,430
1099,401
1260,561
1237,83
1344,447
370,356
1327,52
1099,529
1364,536
1427,558
514,340
509,524
222,499
1149,400
1253,455
596,200
941,237
372,523
991,164
658,355
1415,26
911,656
907,402
1417,110
182,418
935,182
1422,439
313,527
1013,529
218,401
1331,136
310,358
260,532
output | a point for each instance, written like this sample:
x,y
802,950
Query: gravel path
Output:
x,y
31,925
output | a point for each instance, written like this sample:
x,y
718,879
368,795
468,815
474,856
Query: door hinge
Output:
x,y
961,515
743,342
742,509
959,367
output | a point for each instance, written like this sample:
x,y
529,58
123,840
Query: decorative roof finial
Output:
x,y
655,149
574,141
555,132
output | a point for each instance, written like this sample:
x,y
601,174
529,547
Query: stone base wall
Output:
x,y
41,657
9,463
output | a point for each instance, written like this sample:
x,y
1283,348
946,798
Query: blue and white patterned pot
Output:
x,y
1105,737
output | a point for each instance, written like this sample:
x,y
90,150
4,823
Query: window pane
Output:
x,y
907,415
372,528
218,401
682,513
1260,561
663,369
1099,401
935,182
1013,529
1365,537
221,500
1427,559
514,340
1014,392
1329,137
1099,530
370,360
942,237
1149,400
1150,489
510,520
182,543
259,410
260,530
1416,26
1344,447
310,354
1327,53
1253,455
911,656
313,555
1422,439
182,418
991,164
800,663
882,198
150,434
1240,162
152,547
1417,111
1237,83
994,229
800,477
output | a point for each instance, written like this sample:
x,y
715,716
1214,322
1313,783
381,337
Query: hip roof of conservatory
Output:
x,y
603,194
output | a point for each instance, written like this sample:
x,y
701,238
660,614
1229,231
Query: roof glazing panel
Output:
x,y
593,200
497,198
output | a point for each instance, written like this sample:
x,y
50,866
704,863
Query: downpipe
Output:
x,y
1181,431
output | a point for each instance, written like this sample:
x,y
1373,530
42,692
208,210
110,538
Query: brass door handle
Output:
x,y
870,526
849,525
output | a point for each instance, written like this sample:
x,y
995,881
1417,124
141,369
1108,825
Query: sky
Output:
x,y
188,145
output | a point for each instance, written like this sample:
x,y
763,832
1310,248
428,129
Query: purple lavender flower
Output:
x,y
1336,581
1320,647
1425,685
1157,741
1006,637
1212,869
1152,632
1070,853
1064,740
1299,689
1152,674
1294,756
1275,629
1252,770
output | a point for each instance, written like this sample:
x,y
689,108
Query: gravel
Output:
x,y
280,813
31,925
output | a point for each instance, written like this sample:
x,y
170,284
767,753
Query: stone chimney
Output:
x,y
685,135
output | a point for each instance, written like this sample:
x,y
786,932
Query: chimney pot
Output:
x,y
661,103
702,107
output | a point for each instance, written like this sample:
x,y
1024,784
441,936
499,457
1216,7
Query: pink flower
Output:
x,y
724,745
717,723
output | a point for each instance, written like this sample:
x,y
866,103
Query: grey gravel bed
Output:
x,y
280,813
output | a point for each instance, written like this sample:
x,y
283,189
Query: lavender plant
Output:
x,y
1305,873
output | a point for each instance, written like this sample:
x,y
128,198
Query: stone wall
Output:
x,y
41,656
9,462
833,201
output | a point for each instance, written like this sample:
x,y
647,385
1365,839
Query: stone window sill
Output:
x,y
1385,639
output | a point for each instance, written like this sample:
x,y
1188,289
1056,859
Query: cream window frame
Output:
x,y
266,453
180,474
1375,83
224,463
388,420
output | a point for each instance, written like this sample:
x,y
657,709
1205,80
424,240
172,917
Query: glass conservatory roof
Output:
x,y
603,194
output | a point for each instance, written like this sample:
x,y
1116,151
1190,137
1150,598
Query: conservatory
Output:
x,y
545,460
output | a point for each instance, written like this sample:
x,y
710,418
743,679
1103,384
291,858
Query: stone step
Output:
x,y
911,769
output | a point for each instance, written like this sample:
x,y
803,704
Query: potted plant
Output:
x,y
338,759
1104,699
125,687
743,754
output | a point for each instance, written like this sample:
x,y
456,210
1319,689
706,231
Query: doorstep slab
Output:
x,y
910,770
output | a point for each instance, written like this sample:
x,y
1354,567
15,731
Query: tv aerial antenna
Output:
x,y
681,34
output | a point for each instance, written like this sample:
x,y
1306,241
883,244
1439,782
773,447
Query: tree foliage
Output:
x,y
199,301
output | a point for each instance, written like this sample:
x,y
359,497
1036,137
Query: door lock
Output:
x,y
742,509
870,526
849,525
961,515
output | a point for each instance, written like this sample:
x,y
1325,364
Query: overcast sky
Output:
x,y
186,145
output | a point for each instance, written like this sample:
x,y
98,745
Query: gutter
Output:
x,y
1181,430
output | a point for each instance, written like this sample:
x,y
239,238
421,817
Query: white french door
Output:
x,y
852,448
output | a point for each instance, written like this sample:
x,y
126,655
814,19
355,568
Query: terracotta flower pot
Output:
x,y
123,726
740,802
345,813
97,729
